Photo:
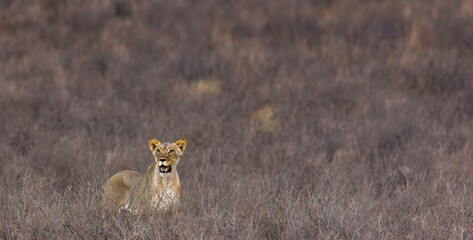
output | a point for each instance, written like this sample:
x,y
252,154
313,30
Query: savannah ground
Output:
x,y
322,119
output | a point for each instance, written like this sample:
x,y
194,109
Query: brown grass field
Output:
x,y
320,119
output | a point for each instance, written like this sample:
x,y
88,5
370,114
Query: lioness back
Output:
x,y
158,188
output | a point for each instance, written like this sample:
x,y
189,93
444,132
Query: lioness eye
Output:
x,y
157,151
171,151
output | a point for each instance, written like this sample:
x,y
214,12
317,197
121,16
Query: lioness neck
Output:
x,y
165,180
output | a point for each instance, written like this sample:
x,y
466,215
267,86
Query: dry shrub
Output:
x,y
305,120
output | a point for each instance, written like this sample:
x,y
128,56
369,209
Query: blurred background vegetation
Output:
x,y
305,119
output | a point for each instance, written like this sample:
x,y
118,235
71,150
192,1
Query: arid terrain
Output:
x,y
320,119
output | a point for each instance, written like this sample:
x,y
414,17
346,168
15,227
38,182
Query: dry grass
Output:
x,y
305,119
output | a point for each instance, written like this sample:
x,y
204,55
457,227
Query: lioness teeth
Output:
x,y
165,169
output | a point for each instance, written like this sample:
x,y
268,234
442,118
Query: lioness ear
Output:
x,y
181,144
153,144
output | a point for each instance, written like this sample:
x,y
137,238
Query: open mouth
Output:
x,y
165,169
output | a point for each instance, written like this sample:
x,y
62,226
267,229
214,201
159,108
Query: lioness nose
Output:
x,y
162,159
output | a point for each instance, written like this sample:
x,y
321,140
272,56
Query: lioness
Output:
x,y
159,188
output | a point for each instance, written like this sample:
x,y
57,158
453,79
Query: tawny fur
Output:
x,y
154,190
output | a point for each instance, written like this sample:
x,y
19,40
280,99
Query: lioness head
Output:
x,y
167,154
